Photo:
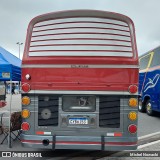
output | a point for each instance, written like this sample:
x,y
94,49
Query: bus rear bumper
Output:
x,y
79,142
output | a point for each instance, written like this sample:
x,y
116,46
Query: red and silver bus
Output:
x,y
79,81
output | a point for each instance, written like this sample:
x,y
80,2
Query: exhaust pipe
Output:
x,y
45,142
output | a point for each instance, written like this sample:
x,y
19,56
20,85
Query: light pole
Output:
x,y
19,44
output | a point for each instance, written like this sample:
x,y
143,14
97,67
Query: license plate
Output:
x,y
78,121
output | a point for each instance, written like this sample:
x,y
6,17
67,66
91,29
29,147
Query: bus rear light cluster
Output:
x,y
132,128
133,102
26,87
26,101
25,126
25,113
133,89
132,116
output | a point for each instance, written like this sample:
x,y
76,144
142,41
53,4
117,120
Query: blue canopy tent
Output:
x,y
10,66
10,70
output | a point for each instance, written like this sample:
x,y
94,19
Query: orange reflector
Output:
x,y
39,132
132,116
118,134
26,100
43,133
25,113
133,102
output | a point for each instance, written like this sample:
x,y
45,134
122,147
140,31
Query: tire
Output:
x,y
141,107
148,106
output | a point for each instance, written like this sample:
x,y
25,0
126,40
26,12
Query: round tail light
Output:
x,y
133,89
25,126
26,87
132,128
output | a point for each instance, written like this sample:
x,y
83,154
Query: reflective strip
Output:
x,y
110,134
47,133
81,92
76,66
43,133
116,134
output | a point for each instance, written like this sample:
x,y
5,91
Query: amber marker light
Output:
x,y
26,100
132,116
133,102
25,113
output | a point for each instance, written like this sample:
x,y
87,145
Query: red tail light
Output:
x,y
132,128
133,89
25,126
26,87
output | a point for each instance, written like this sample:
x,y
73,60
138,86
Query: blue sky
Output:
x,y
16,14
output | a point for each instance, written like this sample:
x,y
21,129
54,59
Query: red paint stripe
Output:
x,y
76,142
121,143
80,28
51,24
42,35
80,51
66,39
79,45
83,143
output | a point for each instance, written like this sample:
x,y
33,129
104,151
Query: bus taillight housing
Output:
x,y
25,126
133,89
26,87
132,128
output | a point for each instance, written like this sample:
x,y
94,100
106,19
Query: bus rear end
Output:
x,y
79,82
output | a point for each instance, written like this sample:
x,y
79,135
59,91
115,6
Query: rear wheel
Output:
x,y
141,107
149,110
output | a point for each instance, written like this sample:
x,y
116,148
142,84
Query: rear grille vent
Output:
x,y
109,112
81,36
48,110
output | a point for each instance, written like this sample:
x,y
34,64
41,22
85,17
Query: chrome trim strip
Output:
x,y
76,66
81,92
81,53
